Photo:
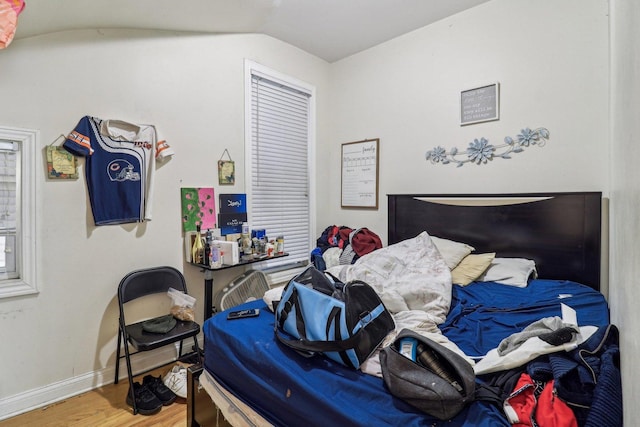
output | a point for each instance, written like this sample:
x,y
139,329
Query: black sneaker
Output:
x,y
146,402
157,387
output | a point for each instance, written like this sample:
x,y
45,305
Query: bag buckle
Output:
x,y
366,317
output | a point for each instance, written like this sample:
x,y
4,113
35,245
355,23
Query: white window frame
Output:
x,y
26,261
253,68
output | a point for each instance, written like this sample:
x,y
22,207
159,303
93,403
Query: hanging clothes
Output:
x,y
119,167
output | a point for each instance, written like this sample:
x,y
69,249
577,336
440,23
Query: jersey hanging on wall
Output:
x,y
119,168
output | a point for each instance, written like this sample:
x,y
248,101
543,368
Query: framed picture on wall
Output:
x,y
360,163
480,104
226,170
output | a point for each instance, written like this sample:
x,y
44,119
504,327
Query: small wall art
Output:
x,y
198,208
60,163
360,162
226,170
480,151
480,104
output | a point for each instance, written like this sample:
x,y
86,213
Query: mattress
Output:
x,y
286,389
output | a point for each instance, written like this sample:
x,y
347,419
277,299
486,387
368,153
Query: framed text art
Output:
x,y
480,104
360,163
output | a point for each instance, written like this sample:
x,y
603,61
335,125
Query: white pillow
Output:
x,y
452,252
510,271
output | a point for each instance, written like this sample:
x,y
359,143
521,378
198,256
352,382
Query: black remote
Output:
x,y
240,314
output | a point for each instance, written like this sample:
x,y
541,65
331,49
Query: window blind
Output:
x,y
9,172
279,200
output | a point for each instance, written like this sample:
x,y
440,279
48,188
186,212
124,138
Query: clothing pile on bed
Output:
x,y
342,245
522,374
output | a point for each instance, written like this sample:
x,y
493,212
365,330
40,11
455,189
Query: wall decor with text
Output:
x,y
360,162
480,104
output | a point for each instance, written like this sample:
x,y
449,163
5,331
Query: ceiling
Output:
x,y
329,29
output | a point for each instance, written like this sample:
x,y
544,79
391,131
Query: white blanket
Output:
x,y
414,283
409,275
527,351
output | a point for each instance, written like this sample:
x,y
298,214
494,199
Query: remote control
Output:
x,y
240,314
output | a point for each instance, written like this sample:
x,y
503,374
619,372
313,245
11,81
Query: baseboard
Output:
x,y
61,390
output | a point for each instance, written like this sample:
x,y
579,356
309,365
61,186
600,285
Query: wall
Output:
x,y
192,88
625,192
551,60
550,57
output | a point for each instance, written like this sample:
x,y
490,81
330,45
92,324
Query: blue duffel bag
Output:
x,y
319,314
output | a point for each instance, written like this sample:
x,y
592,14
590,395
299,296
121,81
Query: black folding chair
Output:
x,y
139,284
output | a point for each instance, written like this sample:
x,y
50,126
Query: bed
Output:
x,y
254,380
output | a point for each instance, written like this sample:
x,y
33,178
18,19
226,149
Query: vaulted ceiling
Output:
x,y
329,29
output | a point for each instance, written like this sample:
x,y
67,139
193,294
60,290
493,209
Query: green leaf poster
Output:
x,y
198,207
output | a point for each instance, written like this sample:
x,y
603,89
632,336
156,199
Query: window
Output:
x,y
279,146
17,212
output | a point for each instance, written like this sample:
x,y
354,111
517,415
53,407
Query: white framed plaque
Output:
x,y
360,162
480,104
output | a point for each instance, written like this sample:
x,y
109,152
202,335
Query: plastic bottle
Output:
x,y
247,249
207,247
216,258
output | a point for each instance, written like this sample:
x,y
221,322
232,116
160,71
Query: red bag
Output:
x,y
521,403
551,411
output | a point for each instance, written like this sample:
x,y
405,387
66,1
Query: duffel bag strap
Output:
x,y
286,310
305,345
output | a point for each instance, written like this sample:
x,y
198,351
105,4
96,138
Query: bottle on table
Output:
x,y
280,245
207,247
216,255
197,250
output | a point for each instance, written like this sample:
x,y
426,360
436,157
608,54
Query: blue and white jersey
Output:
x,y
119,168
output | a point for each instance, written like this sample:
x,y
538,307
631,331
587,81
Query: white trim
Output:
x,y
254,68
61,390
27,284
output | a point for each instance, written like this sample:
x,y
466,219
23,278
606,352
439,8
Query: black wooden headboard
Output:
x,y
561,232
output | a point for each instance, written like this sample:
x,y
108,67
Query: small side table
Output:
x,y
208,279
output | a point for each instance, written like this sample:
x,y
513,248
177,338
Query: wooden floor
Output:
x,y
102,407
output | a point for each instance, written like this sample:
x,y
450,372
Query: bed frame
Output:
x,y
561,232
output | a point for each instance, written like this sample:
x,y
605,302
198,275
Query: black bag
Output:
x,y
430,377
320,314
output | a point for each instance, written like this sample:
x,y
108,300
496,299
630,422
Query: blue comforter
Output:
x,y
290,390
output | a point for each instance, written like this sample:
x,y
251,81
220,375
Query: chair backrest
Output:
x,y
150,281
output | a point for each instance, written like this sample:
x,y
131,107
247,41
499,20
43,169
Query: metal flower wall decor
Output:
x,y
480,151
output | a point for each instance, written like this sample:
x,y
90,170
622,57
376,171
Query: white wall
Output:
x,y
551,59
192,88
624,290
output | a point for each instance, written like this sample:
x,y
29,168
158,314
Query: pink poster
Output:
x,y
198,207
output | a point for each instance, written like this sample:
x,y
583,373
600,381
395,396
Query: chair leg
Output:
x,y
130,375
197,349
115,381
